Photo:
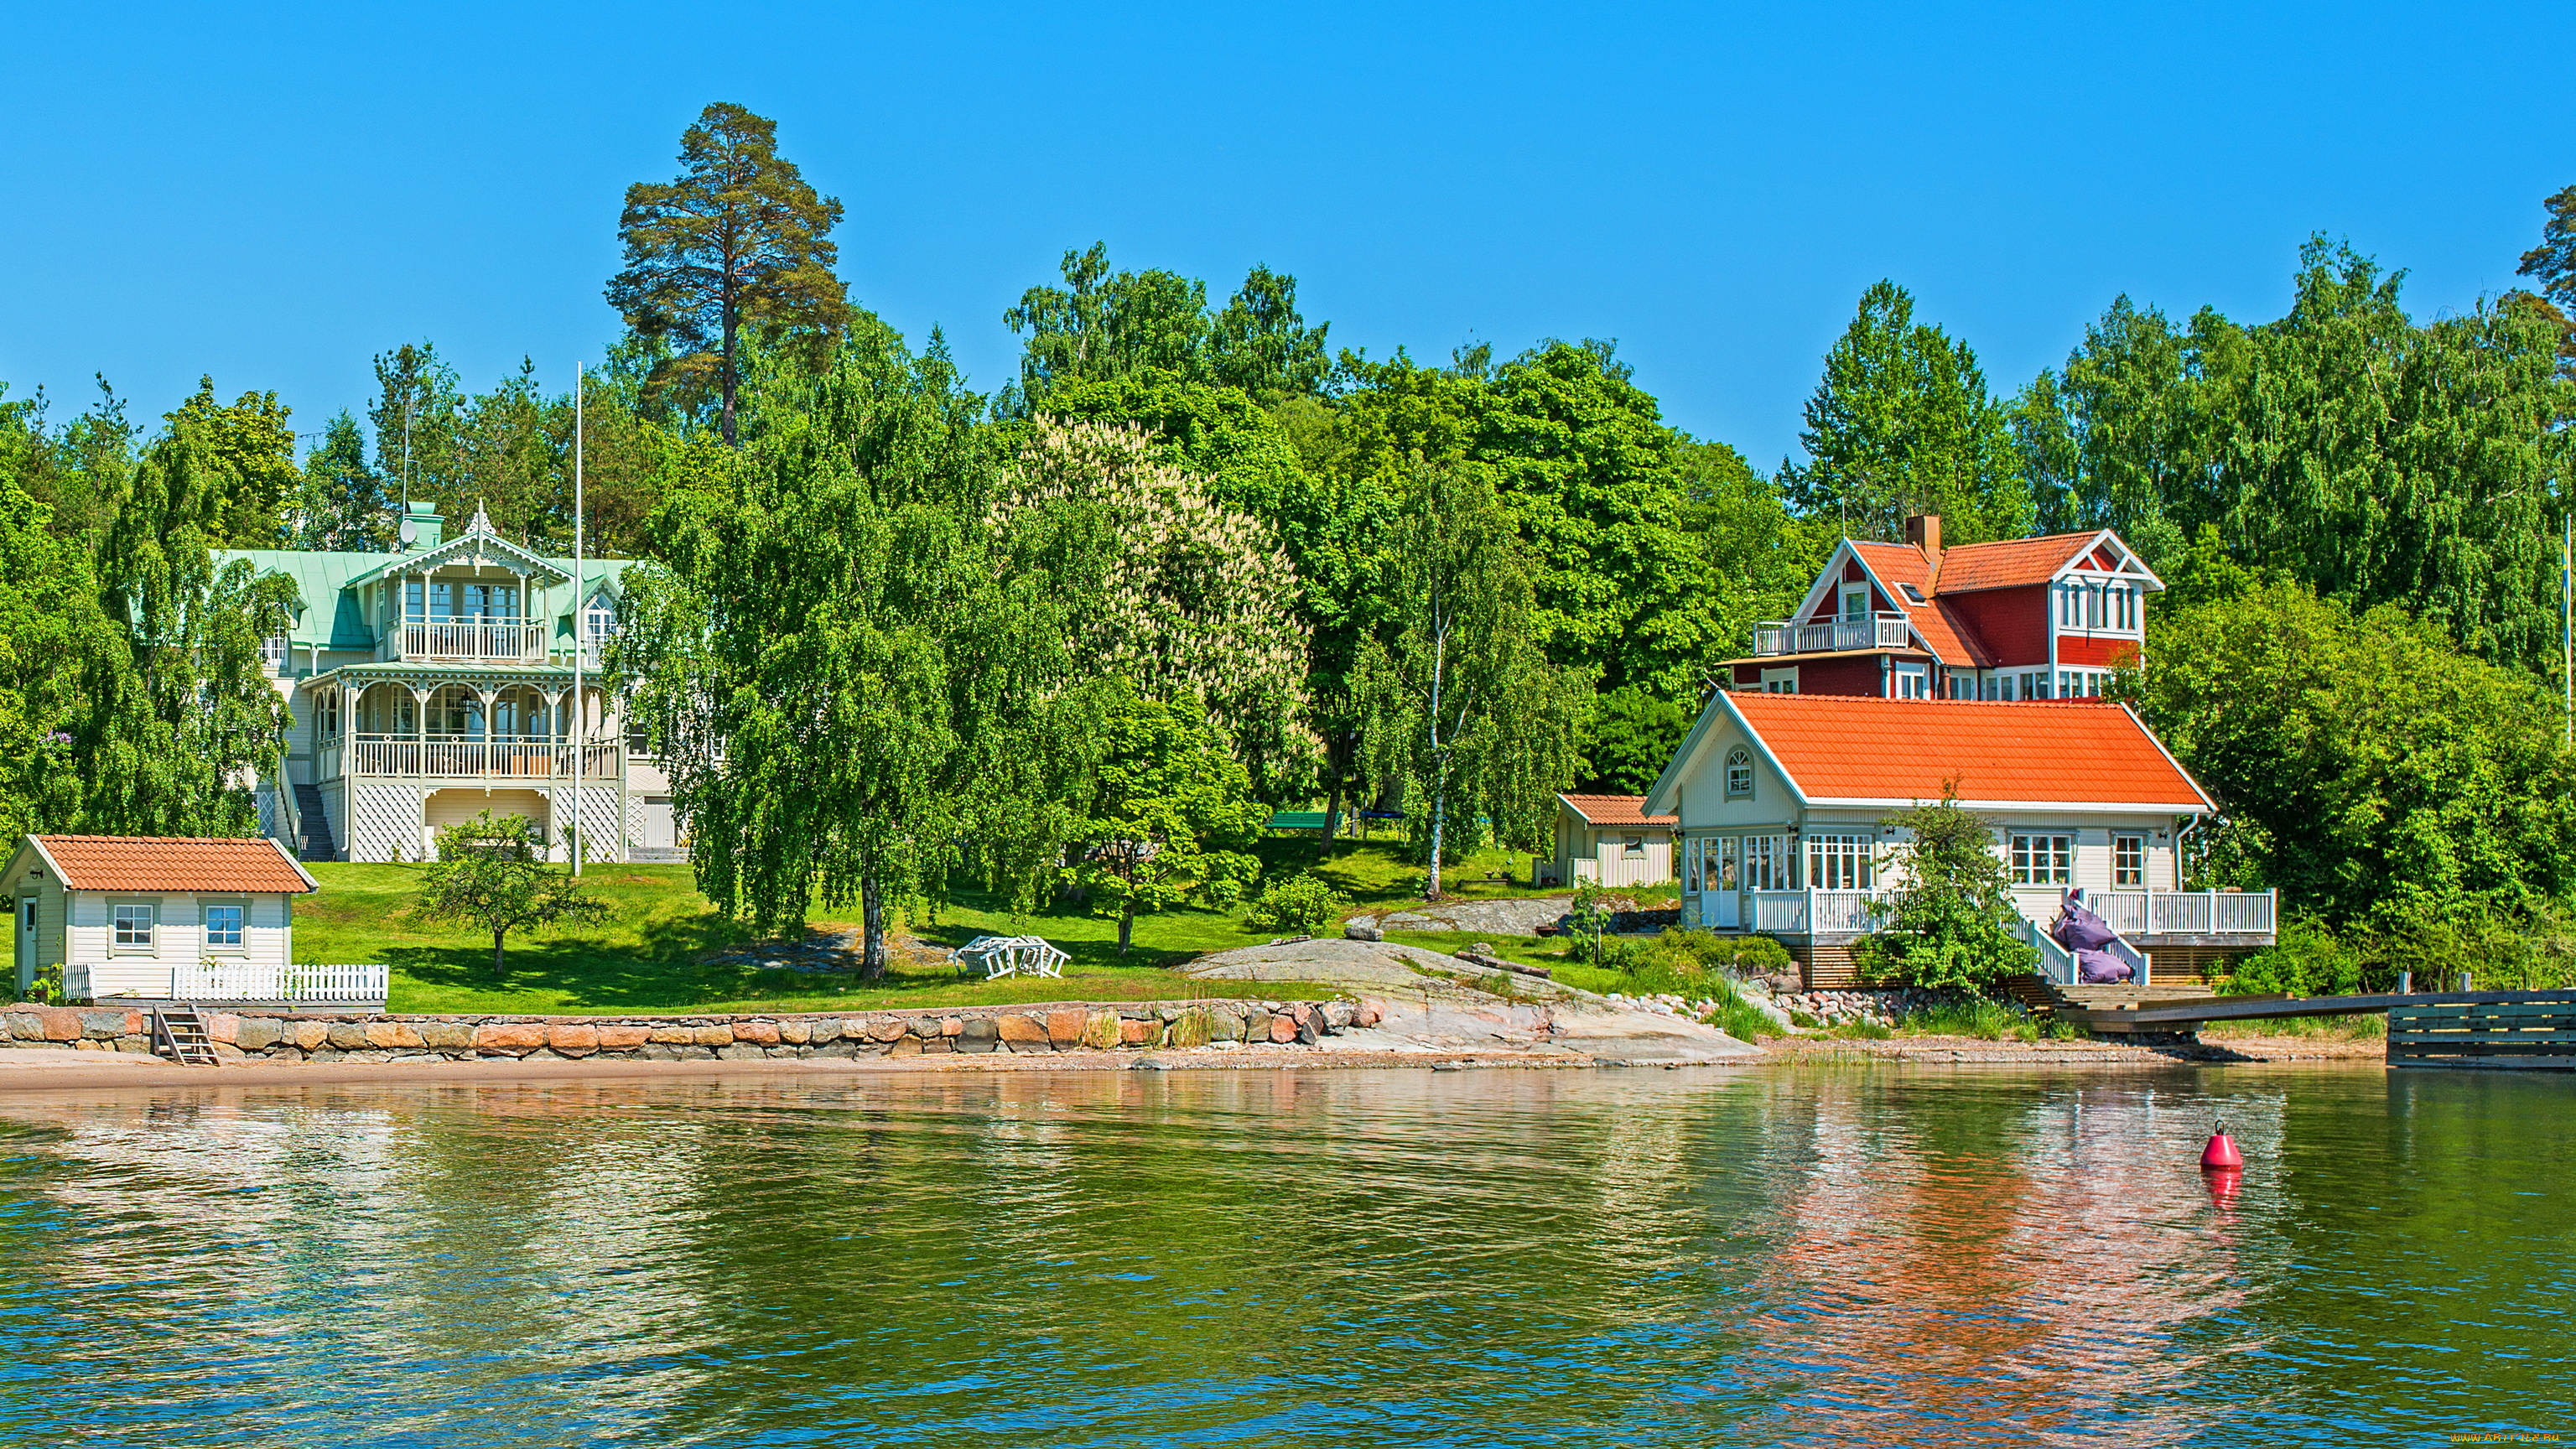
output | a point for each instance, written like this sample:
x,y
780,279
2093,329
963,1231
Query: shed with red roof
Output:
x,y
1608,840
121,914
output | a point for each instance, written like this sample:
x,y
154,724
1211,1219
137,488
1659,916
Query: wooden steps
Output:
x,y
179,1033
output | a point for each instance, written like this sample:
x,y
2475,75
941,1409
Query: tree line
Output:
x,y
1451,586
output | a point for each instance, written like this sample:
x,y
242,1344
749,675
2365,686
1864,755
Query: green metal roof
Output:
x,y
325,582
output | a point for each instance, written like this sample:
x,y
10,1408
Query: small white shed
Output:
x,y
1608,840
151,918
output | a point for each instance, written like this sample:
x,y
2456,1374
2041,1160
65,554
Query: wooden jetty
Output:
x,y
2527,1030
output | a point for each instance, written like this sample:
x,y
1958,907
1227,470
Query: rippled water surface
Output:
x,y
1864,1255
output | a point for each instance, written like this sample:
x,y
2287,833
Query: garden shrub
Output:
x,y
1299,903
1949,927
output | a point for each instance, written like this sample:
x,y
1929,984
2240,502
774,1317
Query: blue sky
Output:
x,y
273,197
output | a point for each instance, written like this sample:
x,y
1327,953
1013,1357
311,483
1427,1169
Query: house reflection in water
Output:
x,y
1988,1268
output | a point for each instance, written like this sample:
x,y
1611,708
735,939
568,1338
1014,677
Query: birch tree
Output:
x,y
1459,696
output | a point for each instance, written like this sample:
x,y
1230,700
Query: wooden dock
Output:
x,y
2536,1032
2529,1030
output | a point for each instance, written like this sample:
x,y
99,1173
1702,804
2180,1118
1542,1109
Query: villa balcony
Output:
x,y
1882,631
466,641
466,757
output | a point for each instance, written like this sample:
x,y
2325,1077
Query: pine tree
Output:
x,y
739,241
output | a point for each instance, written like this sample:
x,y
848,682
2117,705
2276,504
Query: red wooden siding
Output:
x,y
1847,674
2094,651
2012,622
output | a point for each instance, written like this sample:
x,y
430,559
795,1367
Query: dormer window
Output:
x,y
599,620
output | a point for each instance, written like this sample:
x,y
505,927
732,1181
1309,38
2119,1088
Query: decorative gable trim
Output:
x,y
477,544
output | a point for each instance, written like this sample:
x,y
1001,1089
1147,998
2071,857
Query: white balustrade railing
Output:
x,y
1780,911
267,981
2186,913
1825,636
1836,912
452,755
514,640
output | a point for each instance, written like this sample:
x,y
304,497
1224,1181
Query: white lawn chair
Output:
x,y
998,956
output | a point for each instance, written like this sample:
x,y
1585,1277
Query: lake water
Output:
x,y
1780,1255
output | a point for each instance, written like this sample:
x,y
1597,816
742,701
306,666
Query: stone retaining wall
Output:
x,y
1049,1027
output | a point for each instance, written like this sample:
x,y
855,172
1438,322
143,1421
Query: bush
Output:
x,y
2531,951
2309,960
1299,903
1948,927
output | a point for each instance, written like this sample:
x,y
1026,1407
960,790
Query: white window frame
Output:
x,y
1739,763
2136,840
1842,861
116,928
241,931
1855,593
1910,681
2041,857
1632,847
1780,681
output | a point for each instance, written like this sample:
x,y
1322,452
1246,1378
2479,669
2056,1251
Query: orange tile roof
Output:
x,y
1895,563
2074,752
1903,563
1616,810
150,863
2009,563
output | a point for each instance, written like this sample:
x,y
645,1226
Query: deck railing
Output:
x,y
254,981
450,756
2186,913
1825,636
516,641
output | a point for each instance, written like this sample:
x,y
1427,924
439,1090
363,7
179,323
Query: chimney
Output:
x,y
1923,530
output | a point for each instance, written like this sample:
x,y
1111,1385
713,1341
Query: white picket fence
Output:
x,y
248,981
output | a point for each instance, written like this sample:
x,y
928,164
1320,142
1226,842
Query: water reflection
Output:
x,y
1779,1256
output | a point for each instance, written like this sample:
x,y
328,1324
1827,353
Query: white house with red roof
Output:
x,y
1608,840
2021,619
158,919
1782,801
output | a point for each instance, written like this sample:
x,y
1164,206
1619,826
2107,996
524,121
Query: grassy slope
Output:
x,y
644,958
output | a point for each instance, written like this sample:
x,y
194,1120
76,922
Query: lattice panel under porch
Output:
x,y
603,822
386,821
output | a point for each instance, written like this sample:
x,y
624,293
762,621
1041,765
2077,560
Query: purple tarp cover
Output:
x,y
2085,934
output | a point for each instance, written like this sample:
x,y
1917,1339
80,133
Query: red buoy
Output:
x,y
2221,1154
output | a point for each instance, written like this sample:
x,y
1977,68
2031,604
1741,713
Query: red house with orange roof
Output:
x,y
2021,619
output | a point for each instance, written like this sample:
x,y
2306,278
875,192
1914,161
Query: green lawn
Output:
x,y
646,956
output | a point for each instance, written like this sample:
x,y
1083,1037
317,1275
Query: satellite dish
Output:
x,y
407,531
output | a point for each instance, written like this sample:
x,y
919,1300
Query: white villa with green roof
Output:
x,y
435,683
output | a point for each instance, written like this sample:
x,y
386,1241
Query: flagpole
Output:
x,y
580,635
2567,616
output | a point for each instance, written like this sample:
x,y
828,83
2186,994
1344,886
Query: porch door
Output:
x,y
1726,881
26,945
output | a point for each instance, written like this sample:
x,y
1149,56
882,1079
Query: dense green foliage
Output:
x,y
1946,926
2377,777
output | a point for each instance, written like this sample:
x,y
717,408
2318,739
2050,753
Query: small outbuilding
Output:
x,y
140,917
1610,841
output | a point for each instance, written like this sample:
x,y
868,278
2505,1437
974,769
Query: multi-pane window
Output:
x,y
1913,683
224,927
134,928
2042,860
1839,863
2124,608
1766,863
1739,773
2129,861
